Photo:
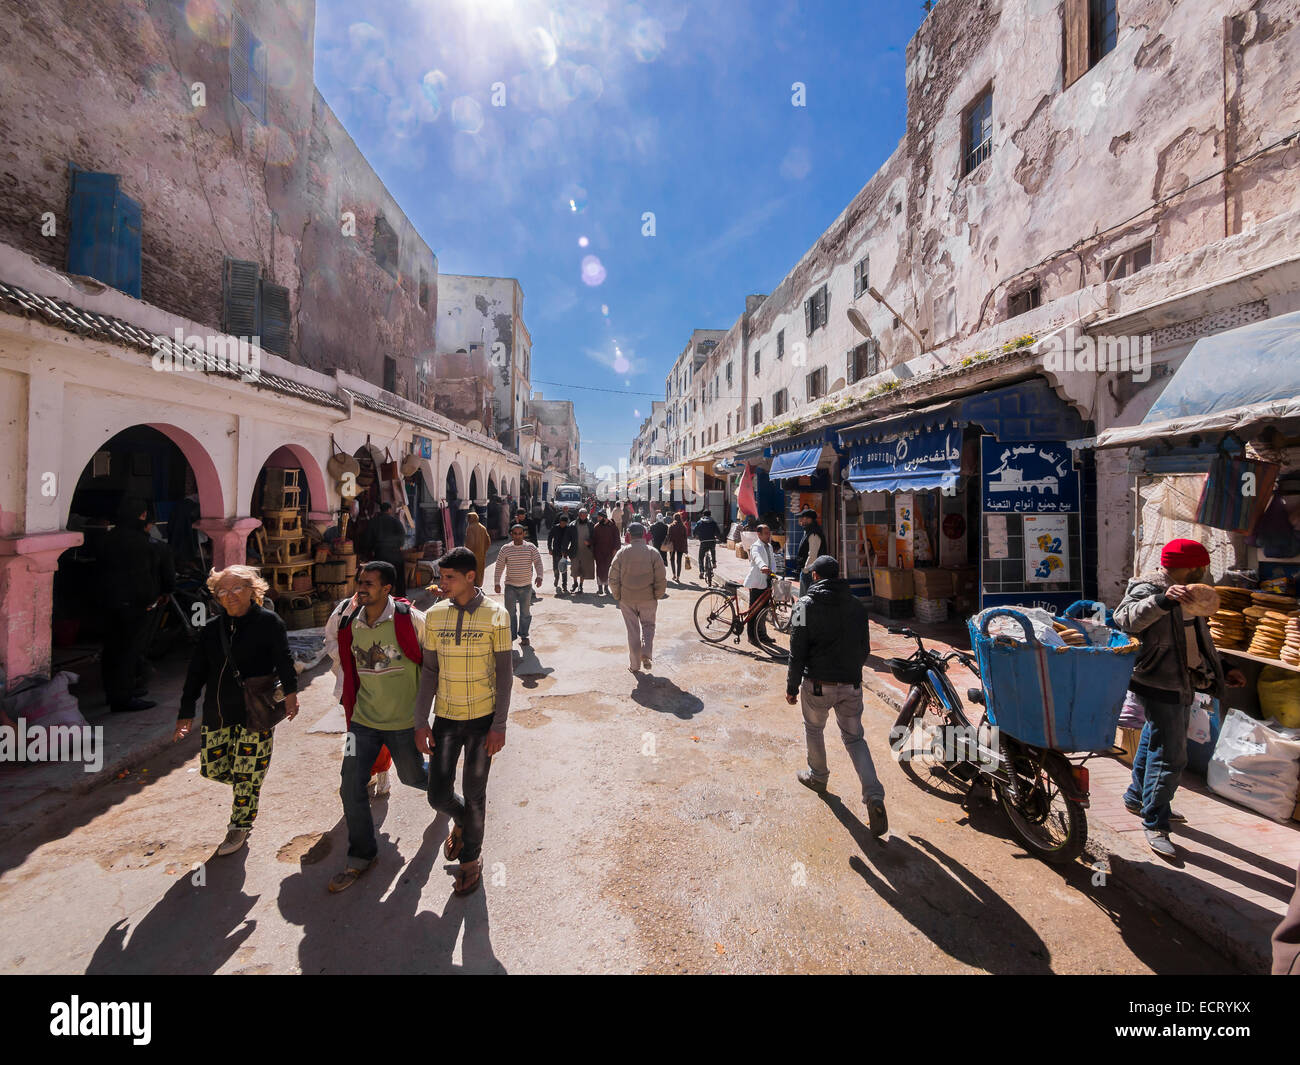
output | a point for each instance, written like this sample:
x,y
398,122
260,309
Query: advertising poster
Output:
x,y
904,526
1046,548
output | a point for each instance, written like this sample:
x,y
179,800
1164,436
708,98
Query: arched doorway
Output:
x,y
455,512
148,466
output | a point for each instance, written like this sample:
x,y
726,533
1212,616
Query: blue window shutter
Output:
x,y
275,318
240,298
126,271
92,223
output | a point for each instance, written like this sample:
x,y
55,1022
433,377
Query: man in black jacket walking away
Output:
x,y
829,645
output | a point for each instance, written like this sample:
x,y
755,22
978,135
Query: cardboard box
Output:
x,y
965,580
894,609
893,583
933,583
1128,739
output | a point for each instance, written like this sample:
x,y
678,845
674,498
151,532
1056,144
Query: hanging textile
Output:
x,y
1236,492
746,502
1169,510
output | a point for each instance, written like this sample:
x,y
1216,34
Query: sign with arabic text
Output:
x,y
1028,478
933,451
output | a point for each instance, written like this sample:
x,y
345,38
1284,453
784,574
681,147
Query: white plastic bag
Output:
x,y
1040,620
1198,728
1256,764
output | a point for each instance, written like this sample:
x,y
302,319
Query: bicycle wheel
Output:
x,y
1050,825
774,638
715,616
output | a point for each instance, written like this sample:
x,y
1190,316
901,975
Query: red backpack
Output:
x,y
407,639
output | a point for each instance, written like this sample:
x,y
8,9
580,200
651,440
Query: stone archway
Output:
x,y
289,455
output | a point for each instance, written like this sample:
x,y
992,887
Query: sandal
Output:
x,y
345,879
451,846
468,878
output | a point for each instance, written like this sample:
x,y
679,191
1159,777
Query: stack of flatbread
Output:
x,y
1229,629
1290,653
1270,631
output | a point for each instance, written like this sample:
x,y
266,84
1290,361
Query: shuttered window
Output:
x,y
103,230
385,246
241,298
1091,29
275,318
780,345
780,403
860,281
863,361
247,68
816,310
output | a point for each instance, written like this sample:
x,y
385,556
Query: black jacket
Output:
x,y
130,567
561,542
801,557
385,536
658,534
259,645
830,639
530,529
706,529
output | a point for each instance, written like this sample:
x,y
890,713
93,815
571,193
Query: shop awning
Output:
x,y
915,461
1237,382
802,463
903,423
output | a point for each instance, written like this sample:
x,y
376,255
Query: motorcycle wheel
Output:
x,y
1049,825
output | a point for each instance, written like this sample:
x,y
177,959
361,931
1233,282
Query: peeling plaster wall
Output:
x,y
109,88
488,311
557,433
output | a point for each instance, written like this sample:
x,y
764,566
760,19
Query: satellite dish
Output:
x,y
858,322
475,426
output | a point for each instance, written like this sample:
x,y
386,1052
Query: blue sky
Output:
x,y
613,110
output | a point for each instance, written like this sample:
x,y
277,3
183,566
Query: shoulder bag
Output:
x,y
263,696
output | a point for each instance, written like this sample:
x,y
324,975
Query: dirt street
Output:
x,y
634,824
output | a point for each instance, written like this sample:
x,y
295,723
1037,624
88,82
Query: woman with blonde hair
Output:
x,y
242,650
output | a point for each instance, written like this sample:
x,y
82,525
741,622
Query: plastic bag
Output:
x,y
1131,714
1279,695
1198,727
1040,620
1256,765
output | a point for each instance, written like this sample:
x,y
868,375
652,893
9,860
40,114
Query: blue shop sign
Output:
x,y
930,458
1037,477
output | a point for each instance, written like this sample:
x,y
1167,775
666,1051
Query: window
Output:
x,y
1130,262
864,361
816,384
385,246
815,309
756,413
247,68
424,289
390,374
728,375
1091,28
252,306
780,345
103,231
758,362
860,282
728,424
780,403
977,132
1024,300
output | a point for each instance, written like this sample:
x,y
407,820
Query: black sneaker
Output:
x,y
877,817
807,779
135,705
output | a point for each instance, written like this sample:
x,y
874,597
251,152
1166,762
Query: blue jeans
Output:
x,y
364,744
519,601
1160,760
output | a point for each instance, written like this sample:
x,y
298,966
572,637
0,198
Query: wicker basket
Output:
x,y
302,583
301,613
344,549
331,572
322,553
321,611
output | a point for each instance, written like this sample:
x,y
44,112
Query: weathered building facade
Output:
x,y
1137,178
558,443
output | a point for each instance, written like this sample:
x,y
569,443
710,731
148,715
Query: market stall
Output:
x,y
1217,460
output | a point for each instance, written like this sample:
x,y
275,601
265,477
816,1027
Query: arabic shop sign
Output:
x,y
1028,478
930,451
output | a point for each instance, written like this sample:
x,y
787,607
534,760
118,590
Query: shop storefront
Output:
x,y
1217,460
803,467
966,504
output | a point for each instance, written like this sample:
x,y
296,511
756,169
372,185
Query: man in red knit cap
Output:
x,y
1177,659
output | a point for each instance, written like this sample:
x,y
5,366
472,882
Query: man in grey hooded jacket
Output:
x,y
1177,659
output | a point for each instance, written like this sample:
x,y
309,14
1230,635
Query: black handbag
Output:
x,y
263,696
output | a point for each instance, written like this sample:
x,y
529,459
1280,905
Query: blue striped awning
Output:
x,y
790,464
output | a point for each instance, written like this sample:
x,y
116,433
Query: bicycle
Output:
x,y
1041,791
706,565
718,615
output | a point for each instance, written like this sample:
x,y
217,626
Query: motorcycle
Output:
x,y
1042,792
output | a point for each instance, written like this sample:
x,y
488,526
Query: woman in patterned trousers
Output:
x,y
231,753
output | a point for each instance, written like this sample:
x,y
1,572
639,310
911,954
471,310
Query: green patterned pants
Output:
x,y
239,757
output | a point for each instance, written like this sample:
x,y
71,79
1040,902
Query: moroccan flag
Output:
x,y
745,501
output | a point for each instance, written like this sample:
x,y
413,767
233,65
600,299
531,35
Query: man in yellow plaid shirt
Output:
x,y
466,679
